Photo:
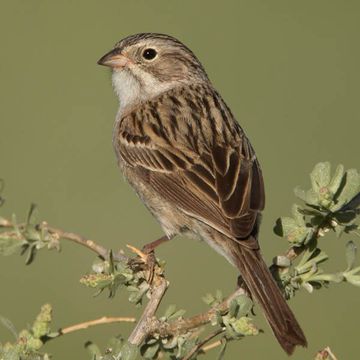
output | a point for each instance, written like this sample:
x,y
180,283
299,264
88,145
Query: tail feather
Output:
x,y
265,291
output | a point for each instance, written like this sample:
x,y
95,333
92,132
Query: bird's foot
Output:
x,y
146,260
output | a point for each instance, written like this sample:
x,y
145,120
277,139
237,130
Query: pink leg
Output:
x,y
150,247
150,262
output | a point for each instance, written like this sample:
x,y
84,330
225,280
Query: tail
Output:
x,y
265,291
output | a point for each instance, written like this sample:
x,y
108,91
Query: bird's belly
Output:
x,y
171,219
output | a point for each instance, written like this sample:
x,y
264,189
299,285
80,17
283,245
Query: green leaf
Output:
x,y
208,299
93,350
320,176
34,344
111,262
151,351
31,214
284,225
312,198
9,325
116,343
53,334
308,253
350,252
172,343
10,245
129,352
233,308
245,326
337,179
345,217
308,287
2,184
100,266
317,256
31,253
170,310
222,350
300,193
339,230
177,314
219,296
41,326
287,227
12,354
352,276
137,295
298,216
245,305
185,345
349,191
312,212
336,278
353,279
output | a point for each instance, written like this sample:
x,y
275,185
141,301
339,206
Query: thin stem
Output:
x,y
198,346
329,352
211,346
87,324
90,244
5,222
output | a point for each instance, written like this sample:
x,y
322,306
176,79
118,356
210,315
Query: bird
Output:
x,y
180,147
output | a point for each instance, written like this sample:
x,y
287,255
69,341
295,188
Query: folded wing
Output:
x,y
196,157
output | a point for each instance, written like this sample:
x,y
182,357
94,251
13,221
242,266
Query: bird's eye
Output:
x,y
149,54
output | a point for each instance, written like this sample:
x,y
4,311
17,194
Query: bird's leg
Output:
x,y
148,249
146,256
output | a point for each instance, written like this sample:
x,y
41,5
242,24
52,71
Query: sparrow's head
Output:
x,y
145,65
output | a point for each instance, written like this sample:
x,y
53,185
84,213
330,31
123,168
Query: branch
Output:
x,y
141,330
61,234
90,244
211,346
181,326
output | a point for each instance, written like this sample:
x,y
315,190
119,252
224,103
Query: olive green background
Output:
x,y
288,69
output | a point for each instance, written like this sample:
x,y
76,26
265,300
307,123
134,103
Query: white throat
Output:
x,y
134,86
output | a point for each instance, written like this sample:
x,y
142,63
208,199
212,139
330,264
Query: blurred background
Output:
x,y
288,69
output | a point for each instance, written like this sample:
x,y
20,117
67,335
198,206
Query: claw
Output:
x,y
138,252
148,258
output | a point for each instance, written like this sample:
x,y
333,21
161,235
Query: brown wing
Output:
x,y
194,154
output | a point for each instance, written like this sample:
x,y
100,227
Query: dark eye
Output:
x,y
149,54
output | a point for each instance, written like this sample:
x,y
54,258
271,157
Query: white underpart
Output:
x,y
126,87
131,91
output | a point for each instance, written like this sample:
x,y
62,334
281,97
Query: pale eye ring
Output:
x,y
149,54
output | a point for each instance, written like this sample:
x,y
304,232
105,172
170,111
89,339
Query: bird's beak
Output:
x,y
114,59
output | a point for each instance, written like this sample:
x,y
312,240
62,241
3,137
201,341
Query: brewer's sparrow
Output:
x,y
180,147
